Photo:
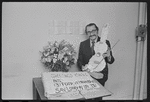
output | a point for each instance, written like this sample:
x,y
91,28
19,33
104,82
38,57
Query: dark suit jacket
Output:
x,y
85,54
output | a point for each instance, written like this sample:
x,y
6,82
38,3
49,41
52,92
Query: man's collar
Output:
x,y
96,40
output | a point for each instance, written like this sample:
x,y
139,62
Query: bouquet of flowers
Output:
x,y
58,56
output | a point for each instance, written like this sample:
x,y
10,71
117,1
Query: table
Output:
x,y
38,89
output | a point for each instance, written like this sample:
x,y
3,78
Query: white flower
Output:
x,y
67,63
75,60
50,44
55,55
48,49
65,48
60,56
56,43
45,59
46,54
54,60
65,59
49,59
68,52
52,49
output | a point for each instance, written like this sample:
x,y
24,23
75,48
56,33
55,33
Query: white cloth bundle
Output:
x,y
97,57
99,48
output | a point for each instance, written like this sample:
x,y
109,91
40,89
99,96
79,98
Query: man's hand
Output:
x,y
96,75
93,74
107,53
84,68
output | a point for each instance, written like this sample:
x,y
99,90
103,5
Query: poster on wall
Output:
x,y
57,27
71,85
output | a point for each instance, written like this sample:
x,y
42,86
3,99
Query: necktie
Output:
x,y
92,48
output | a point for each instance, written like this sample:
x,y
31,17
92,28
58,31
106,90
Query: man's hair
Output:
x,y
91,24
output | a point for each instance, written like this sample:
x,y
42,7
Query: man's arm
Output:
x,y
80,58
110,59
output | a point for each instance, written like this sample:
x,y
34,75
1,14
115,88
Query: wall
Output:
x,y
25,31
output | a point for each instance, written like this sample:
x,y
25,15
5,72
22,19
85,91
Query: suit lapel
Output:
x,y
88,50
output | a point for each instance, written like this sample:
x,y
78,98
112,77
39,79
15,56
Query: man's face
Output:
x,y
92,32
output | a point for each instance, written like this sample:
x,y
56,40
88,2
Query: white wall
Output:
x,y
25,32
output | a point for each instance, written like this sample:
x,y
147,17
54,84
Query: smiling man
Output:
x,y
86,51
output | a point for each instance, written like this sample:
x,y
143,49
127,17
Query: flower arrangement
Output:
x,y
58,56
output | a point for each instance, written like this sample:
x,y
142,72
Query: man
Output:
x,y
85,53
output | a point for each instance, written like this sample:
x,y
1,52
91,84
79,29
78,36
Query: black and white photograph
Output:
x,y
74,51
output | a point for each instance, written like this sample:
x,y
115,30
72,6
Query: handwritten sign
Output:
x,y
62,82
